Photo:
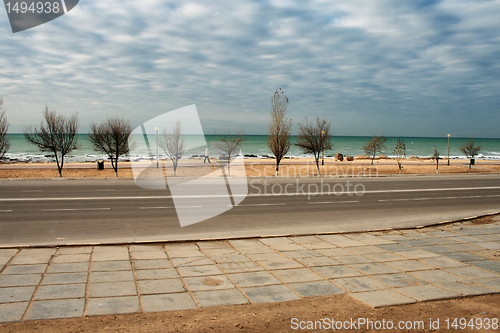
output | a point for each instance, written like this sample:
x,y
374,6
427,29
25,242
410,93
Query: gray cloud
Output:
x,y
399,68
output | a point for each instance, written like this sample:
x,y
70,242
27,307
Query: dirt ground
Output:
x,y
277,317
255,168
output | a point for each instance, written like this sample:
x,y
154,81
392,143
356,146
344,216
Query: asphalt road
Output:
x,y
117,211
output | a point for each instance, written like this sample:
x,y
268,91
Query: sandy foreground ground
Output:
x,y
304,167
277,317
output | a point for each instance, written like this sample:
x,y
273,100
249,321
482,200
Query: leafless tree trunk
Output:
x,y
229,143
470,150
400,153
314,138
173,144
374,146
4,128
58,135
111,138
278,138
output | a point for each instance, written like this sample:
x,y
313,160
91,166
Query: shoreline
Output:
x,y
254,168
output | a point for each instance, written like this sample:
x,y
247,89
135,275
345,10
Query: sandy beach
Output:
x,y
297,167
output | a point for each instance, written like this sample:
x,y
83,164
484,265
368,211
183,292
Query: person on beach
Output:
x,y
207,158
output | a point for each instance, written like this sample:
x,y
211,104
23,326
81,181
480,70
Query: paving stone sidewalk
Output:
x,y
378,268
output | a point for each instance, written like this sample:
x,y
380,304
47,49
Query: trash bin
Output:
x,y
472,161
100,165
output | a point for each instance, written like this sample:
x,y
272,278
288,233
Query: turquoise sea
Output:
x,y
21,151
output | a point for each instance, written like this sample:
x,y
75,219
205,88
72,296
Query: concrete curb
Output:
x,y
443,223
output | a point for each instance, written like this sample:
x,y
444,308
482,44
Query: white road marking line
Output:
x,y
443,198
301,193
331,202
254,205
391,200
72,209
105,190
29,191
6,211
156,207
177,207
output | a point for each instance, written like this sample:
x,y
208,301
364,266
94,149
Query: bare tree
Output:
x,y
229,144
173,144
314,138
58,135
111,138
4,128
400,153
278,138
470,150
374,146
435,156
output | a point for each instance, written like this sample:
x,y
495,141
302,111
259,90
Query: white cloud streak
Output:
x,y
393,67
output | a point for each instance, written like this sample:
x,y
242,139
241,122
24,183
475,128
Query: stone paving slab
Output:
x,y
465,289
219,297
318,261
360,283
152,264
56,309
12,311
266,294
253,279
399,280
490,265
296,275
443,262
60,291
168,302
25,269
65,278
316,288
332,272
110,289
378,268
113,305
383,298
16,294
68,267
426,293
191,261
164,286
409,265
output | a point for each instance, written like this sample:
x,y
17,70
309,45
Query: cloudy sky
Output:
x,y
400,68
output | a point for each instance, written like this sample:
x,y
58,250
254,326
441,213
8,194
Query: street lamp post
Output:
x,y
157,155
449,149
322,154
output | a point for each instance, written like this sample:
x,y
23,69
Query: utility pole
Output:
x,y
157,155
449,149
322,155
